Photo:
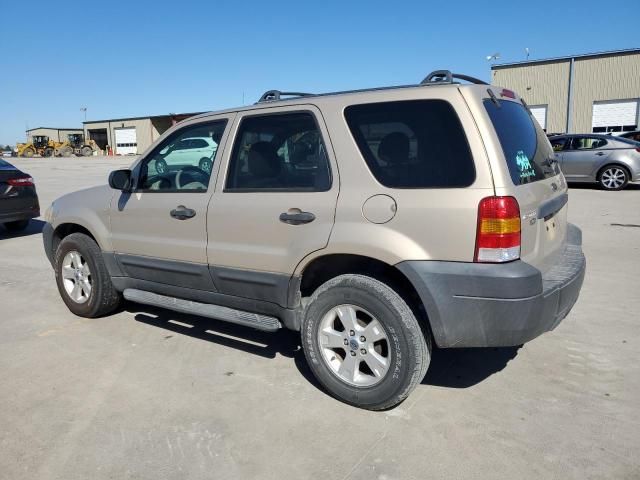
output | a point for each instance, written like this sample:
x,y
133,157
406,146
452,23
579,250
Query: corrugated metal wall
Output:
x,y
612,77
605,78
542,84
144,131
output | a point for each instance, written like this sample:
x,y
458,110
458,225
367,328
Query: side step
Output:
x,y
239,317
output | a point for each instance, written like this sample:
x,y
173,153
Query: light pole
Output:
x,y
526,51
84,109
494,56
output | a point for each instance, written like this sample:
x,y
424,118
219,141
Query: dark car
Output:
x,y
18,198
631,135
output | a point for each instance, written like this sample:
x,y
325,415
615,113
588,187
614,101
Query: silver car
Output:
x,y
612,162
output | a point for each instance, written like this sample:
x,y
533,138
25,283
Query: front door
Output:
x,y
159,231
276,203
582,156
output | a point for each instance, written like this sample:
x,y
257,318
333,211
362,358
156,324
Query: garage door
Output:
x,y
126,141
539,112
615,116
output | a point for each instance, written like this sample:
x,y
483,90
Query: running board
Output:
x,y
239,317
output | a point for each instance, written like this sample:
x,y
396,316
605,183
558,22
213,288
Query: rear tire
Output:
x,y
48,152
79,267
66,151
86,151
374,373
28,152
613,177
16,226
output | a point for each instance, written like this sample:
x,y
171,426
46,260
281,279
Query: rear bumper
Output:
x,y
495,305
21,215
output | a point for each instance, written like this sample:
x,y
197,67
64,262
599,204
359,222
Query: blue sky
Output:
x,y
134,58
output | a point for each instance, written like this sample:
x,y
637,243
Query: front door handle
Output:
x,y
295,216
182,213
600,154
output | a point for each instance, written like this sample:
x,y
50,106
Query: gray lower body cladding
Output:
x,y
497,305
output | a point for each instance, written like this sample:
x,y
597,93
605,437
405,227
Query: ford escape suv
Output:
x,y
377,223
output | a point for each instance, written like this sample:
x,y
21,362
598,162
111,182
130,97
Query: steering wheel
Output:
x,y
191,174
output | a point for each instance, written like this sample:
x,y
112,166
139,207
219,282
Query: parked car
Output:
x,y
18,198
631,135
376,223
7,153
610,161
185,149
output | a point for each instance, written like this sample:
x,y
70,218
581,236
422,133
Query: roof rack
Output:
x,y
439,77
274,95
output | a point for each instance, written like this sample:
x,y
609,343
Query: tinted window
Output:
x,y
587,143
413,144
279,152
5,164
175,165
526,148
198,143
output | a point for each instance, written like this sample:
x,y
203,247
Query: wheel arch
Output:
x,y
323,268
65,229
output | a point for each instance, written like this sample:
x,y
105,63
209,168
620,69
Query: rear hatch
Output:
x,y
523,166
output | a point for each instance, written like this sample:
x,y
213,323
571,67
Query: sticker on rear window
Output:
x,y
524,165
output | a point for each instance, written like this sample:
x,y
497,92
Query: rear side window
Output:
x,y
526,148
412,144
279,152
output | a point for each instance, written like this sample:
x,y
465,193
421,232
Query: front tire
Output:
x,y
613,177
82,277
86,151
363,343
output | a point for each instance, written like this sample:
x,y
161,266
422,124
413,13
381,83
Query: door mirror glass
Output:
x,y
120,180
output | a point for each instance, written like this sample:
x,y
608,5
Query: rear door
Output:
x,y
583,155
524,166
276,202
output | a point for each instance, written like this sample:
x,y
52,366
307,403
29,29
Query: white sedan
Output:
x,y
188,151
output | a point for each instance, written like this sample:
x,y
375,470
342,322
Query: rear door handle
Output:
x,y
295,216
182,213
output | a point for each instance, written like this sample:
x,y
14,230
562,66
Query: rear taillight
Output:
x,y
498,235
21,182
638,149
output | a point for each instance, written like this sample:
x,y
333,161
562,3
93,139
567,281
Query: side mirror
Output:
x,y
120,180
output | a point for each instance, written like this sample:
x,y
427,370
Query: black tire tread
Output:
x,y
109,298
420,339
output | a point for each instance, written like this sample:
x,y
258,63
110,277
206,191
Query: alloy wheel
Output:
x,y
613,178
354,345
76,277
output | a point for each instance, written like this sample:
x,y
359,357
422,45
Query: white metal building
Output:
x,y
130,136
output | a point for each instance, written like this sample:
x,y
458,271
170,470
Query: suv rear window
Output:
x,y
413,144
526,148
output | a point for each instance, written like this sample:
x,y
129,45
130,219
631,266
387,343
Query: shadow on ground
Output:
x,y
34,228
453,368
465,367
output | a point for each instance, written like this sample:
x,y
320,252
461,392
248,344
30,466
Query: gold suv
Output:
x,y
375,222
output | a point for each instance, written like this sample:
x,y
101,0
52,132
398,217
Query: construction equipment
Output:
x,y
76,144
39,144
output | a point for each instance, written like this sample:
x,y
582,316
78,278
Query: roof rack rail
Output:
x,y
439,77
274,95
